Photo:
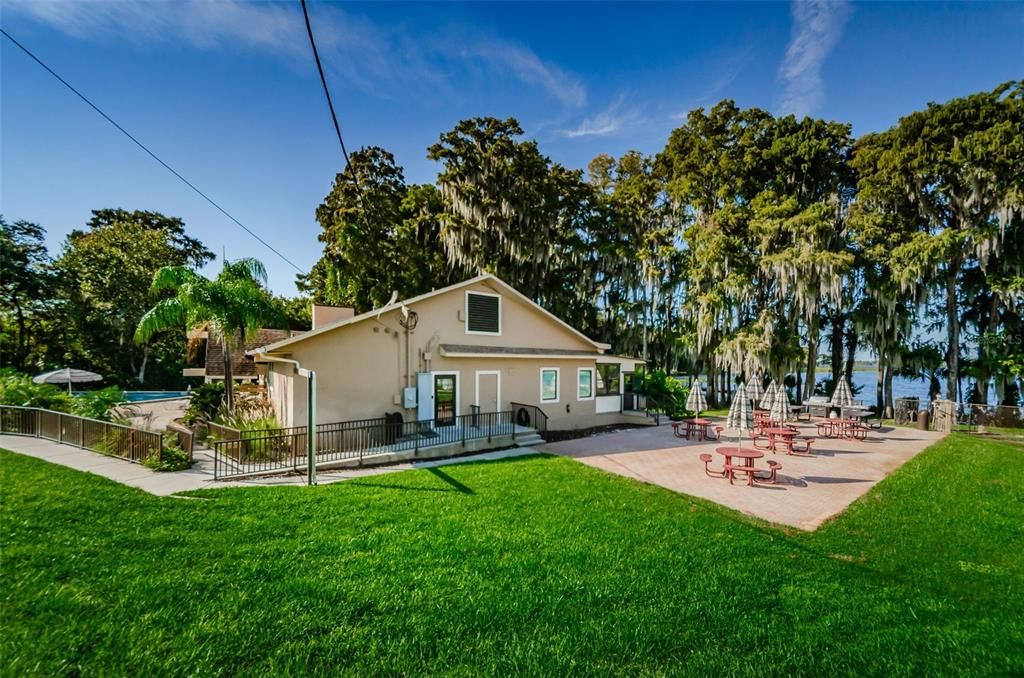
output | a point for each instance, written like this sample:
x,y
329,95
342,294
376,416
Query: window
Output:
x,y
607,379
483,313
549,384
585,383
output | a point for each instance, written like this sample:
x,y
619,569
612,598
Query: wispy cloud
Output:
x,y
529,68
369,55
609,121
817,27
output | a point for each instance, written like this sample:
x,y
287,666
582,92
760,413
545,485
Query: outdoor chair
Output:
x,y
756,436
707,459
773,469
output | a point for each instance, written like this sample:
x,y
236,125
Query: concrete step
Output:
x,y
529,440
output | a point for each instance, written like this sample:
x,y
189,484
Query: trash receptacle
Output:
x,y
922,420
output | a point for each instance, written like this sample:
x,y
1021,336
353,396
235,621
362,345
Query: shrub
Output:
x,y
98,404
256,425
19,389
173,458
205,402
666,393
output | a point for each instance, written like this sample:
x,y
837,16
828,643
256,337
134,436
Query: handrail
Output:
x,y
116,440
538,414
343,441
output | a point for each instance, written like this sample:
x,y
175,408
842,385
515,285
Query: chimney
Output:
x,y
325,315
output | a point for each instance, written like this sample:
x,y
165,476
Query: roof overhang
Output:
x,y
467,351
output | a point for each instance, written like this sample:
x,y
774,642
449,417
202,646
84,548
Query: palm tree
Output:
x,y
233,306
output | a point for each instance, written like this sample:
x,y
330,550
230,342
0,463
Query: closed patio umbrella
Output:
x,y
755,388
780,407
695,402
769,397
67,376
741,414
842,396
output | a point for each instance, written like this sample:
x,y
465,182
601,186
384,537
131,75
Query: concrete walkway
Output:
x,y
200,476
810,488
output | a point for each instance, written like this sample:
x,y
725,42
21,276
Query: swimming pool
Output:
x,y
142,396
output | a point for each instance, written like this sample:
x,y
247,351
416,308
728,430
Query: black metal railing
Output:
x,y
286,449
530,416
116,440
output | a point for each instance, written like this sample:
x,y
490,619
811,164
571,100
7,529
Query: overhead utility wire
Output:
x,y
151,153
327,91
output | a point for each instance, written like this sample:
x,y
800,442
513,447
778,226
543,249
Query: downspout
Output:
x,y
310,376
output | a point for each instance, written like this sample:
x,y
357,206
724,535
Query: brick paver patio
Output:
x,y
810,489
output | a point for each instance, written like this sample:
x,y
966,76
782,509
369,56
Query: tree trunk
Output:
x,y
229,379
838,326
889,400
140,376
880,385
953,331
812,364
712,378
852,341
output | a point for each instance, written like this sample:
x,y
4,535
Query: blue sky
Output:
x,y
227,92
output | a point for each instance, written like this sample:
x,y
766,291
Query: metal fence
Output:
x,y
971,417
530,416
104,437
285,449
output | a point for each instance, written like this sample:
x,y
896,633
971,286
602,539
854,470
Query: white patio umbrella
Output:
x,y
769,396
780,407
67,376
755,389
842,397
695,402
741,414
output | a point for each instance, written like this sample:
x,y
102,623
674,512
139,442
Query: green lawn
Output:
x,y
538,565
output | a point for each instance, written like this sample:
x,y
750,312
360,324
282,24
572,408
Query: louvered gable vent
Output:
x,y
483,313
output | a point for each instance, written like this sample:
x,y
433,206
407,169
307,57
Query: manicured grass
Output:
x,y
538,566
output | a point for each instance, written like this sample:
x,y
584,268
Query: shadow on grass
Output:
x,y
453,484
437,472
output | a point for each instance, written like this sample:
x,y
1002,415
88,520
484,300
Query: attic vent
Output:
x,y
483,313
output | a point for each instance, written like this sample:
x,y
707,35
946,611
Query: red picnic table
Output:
x,y
842,428
701,428
788,436
746,454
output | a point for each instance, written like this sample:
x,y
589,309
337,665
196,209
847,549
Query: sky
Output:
x,y
227,92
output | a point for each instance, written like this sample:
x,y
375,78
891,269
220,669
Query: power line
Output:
x,y
327,92
151,153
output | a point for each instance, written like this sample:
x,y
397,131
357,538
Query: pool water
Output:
x,y
142,396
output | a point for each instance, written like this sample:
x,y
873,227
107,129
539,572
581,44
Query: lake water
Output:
x,y
902,387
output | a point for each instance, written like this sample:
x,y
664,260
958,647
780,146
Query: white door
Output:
x,y
425,396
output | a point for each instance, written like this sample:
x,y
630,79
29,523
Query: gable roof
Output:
x,y
278,345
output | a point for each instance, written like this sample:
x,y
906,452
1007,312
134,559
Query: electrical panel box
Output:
x,y
409,397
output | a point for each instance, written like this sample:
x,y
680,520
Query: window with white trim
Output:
x,y
549,386
585,383
483,313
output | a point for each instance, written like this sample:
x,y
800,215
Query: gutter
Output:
x,y
310,376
